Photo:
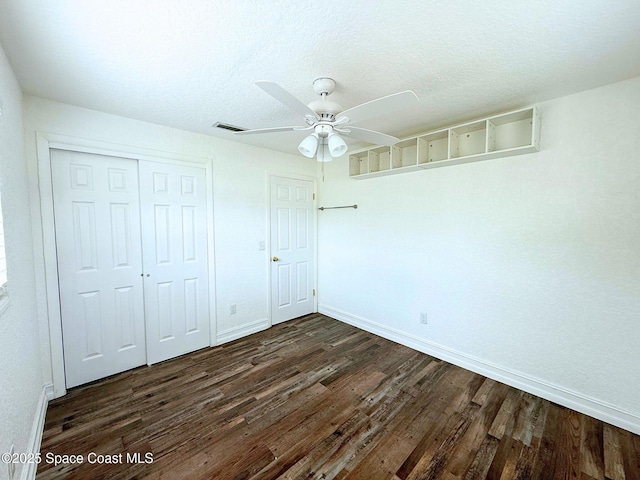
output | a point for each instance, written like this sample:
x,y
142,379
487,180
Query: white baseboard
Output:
x,y
49,392
562,396
235,333
35,438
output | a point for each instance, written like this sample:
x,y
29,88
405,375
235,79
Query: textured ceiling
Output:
x,y
190,63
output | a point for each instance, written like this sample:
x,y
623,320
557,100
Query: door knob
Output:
x,y
275,259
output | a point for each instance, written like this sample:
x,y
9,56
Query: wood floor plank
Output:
x,y
434,461
317,398
613,462
549,448
630,454
479,467
568,440
592,458
511,460
477,432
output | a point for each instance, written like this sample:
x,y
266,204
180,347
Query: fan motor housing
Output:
x,y
325,107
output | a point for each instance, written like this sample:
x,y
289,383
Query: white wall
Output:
x,y
20,372
528,267
240,202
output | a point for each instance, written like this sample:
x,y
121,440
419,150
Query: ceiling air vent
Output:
x,y
226,126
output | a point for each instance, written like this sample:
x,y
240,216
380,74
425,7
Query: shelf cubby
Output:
x,y
507,134
404,154
469,139
433,147
508,131
359,163
379,159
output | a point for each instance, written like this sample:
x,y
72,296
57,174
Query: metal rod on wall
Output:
x,y
331,208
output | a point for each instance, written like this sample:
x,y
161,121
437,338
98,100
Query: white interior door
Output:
x,y
174,238
96,207
292,248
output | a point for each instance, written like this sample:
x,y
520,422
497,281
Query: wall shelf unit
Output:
x,y
512,133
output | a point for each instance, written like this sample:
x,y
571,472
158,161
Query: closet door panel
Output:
x,y
97,215
174,237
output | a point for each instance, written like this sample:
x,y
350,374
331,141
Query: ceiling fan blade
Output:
x,y
273,130
370,136
380,106
280,94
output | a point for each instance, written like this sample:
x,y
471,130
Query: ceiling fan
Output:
x,y
329,121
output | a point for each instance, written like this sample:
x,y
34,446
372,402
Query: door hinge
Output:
x,y
314,292
314,196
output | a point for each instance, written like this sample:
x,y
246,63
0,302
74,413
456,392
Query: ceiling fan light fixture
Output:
x,y
328,119
309,145
337,146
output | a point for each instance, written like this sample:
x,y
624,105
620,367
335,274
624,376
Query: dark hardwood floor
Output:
x,y
316,398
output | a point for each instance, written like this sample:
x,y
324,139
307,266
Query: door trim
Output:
x,y
294,176
44,143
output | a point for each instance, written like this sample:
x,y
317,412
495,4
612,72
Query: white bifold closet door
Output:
x,y
97,218
174,242
131,239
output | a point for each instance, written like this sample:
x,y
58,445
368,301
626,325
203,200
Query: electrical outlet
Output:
x,y
232,308
11,465
423,317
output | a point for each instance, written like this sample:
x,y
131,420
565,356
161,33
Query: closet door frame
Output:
x,y
44,143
